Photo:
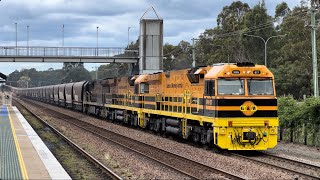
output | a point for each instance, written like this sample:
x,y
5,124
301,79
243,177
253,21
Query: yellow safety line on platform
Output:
x,y
21,162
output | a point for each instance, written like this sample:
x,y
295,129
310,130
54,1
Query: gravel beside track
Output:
x,y
307,168
303,170
298,152
246,169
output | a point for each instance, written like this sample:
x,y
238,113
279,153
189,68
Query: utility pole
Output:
x,y
314,51
96,69
194,52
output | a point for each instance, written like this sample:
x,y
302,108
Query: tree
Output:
x,y
24,81
231,17
70,65
169,54
291,60
258,23
282,10
76,74
223,43
177,57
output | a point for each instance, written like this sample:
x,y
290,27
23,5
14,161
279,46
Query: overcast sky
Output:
x,y
183,20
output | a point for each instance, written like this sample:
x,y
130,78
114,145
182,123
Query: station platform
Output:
x,y
23,155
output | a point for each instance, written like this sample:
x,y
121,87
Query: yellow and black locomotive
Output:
x,y
232,106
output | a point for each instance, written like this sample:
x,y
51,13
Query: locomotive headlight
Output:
x,y
273,131
222,130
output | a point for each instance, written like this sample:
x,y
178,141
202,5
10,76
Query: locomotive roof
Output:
x,y
233,70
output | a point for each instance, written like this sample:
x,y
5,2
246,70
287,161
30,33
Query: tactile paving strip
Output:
x,y
9,162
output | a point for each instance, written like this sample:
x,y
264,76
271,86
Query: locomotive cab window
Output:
x,y
144,88
260,87
136,88
230,87
209,89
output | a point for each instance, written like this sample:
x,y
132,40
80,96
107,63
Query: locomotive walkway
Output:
x,y
23,155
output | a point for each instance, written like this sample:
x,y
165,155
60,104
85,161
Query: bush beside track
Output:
x,y
299,120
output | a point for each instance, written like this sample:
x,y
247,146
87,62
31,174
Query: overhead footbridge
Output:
x,y
67,54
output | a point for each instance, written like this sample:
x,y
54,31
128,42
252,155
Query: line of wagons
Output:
x,y
70,95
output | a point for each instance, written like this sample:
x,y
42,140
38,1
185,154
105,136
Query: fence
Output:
x,y
301,136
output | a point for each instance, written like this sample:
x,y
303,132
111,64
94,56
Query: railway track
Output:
x,y
187,167
97,163
302,169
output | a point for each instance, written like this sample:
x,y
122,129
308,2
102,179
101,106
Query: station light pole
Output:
x,y
265,44
62,35
97,40
16,27
28,36
28,40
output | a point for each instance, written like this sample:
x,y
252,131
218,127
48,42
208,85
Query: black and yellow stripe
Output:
x,y
207,107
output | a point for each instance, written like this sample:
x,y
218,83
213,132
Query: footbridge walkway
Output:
x,y
67,54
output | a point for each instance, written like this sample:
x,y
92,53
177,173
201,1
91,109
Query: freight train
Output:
x,y
232,106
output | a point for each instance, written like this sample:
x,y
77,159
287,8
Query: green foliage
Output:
x,y
79,73
313,110
177,57
295,115
24,81
282,10
288,111
254,47
112,70
231,17
33,78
